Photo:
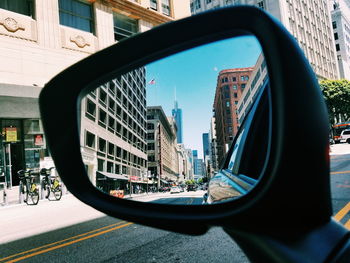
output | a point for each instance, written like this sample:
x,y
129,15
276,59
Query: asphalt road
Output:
x,y
68,231
106,239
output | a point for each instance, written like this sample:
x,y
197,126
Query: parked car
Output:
x,y
345,136
285,216
175,190
191,187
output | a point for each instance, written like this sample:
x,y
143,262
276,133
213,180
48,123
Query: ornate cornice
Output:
x,y
137,11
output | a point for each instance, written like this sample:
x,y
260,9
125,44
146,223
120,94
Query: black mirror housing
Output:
x,y
296,181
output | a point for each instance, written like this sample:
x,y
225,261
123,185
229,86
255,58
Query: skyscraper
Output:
x,y
205,139
177,114
341,28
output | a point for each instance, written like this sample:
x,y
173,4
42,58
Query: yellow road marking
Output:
x,y
342,172
342,212
347,225
68,243
65,244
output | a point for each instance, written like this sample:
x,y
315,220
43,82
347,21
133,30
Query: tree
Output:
x,y
337,96
190,182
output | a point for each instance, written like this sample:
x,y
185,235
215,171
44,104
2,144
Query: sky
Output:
x,y
191,76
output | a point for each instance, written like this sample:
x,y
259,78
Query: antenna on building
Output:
x,y
175,102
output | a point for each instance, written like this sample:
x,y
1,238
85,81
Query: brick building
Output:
x,y
230,86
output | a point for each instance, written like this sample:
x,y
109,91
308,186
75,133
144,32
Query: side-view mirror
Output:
x,y
268,194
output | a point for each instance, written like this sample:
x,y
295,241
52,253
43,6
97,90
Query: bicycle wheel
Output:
x,y
24,193
34,196
47,191
57,192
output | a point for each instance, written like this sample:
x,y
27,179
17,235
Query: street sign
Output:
x,y
11,134
38,140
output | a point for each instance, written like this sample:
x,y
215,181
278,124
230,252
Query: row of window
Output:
x,y
121,107
114,168
165,6
234,79
80,15
113,152
107,121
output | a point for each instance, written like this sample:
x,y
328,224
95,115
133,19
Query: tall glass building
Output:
x,y
177,114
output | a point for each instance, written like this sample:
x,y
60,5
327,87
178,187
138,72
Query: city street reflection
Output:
x,y
161,132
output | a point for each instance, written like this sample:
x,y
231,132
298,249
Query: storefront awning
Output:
x,y
164,182
19,101
114,176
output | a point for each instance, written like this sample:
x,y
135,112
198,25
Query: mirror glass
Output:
x,y
173,131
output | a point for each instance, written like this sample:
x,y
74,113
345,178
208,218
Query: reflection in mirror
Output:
x,y
161,133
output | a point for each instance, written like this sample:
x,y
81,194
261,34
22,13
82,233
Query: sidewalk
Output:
x,y
10,196
339,148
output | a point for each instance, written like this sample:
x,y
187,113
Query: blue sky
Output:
x,y
193,74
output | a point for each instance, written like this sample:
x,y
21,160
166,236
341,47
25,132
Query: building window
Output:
x,y
76,14
102,118
243,86
208,1
101,145
234,79
90,140
234,87
150,146
336,36
102,97
166,7
337,47
111,149
90,109
223,80
150,136
110,167
118,152
24,7
100,165
153,4
261,5
124,26
228,103
334,24
197,4
226,94
117,169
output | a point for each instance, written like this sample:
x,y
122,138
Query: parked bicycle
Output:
x,y
51,184
28,187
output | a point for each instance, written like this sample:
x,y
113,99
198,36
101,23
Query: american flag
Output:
x,y
153,81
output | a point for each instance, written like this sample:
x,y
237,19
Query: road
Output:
x,y
69,231
102,238
340,182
